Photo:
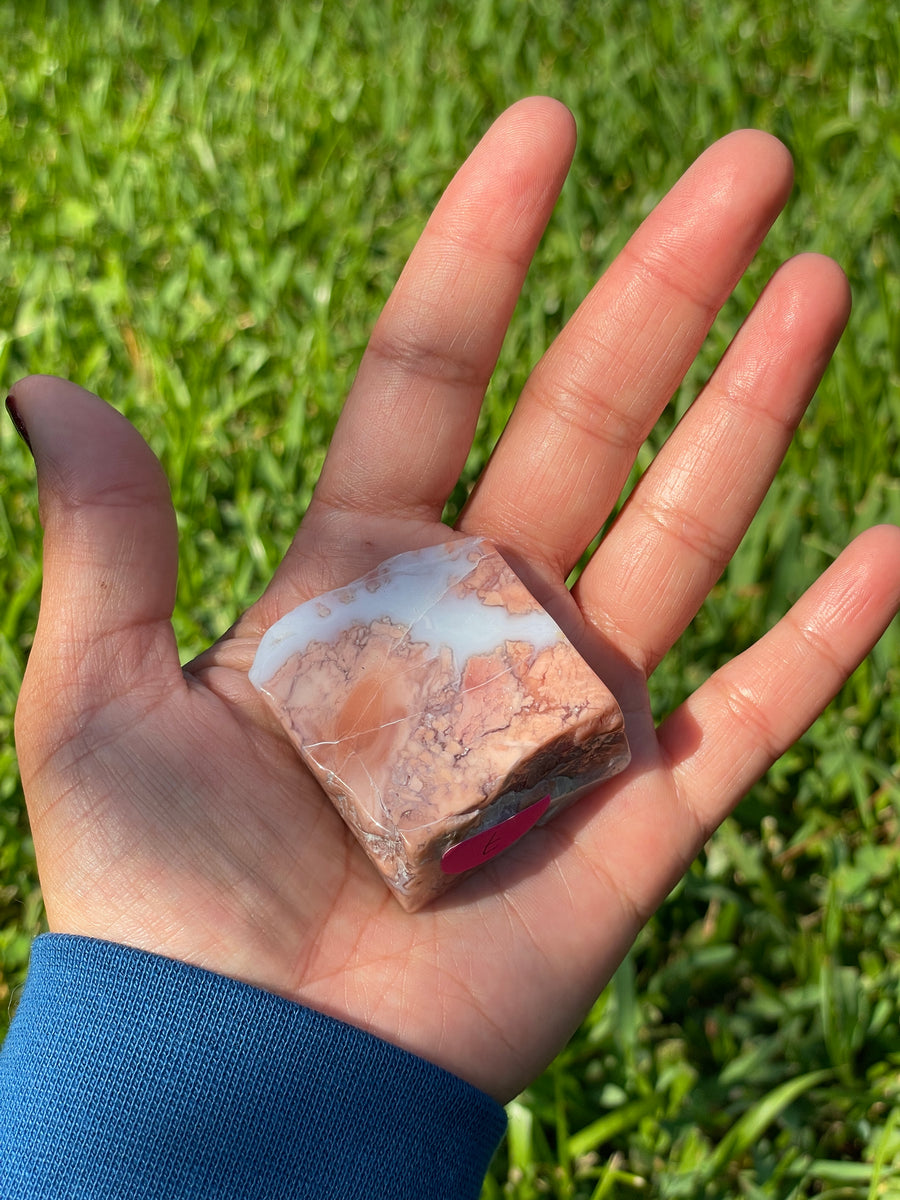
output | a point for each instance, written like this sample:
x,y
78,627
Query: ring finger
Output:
x,y
687,514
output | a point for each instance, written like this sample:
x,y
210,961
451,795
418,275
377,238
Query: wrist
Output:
x,y
122,1065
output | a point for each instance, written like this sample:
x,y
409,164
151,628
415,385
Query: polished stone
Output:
x,y
435,700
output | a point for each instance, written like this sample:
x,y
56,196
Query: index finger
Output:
x,y
409,420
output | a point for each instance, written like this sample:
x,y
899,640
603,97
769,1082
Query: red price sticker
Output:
x,y
489,843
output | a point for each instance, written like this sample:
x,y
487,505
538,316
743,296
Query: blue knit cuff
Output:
x,y
129,1075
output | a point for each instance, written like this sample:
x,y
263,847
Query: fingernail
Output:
x,y
16,418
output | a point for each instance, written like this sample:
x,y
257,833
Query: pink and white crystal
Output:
x,y
435,700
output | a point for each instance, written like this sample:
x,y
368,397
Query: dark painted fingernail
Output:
x,y
16,417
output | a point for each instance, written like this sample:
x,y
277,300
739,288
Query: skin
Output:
x,y
170,813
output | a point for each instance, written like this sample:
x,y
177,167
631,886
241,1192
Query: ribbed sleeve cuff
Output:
x,y
129,1075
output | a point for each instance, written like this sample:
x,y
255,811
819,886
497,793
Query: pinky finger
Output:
x,y
728,734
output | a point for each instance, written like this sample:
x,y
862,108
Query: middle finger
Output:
x,y
600,388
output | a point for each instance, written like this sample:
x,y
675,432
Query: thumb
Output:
x,y
110,551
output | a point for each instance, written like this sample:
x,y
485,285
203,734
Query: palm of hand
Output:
x,y
228,855
169,811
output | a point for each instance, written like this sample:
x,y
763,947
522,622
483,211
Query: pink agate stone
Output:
x,y
442,710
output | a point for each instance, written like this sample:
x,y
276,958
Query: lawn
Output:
x,y
203,210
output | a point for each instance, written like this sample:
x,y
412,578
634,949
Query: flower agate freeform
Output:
x,y
442,710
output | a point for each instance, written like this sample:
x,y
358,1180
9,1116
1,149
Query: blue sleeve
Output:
x,y
131,1076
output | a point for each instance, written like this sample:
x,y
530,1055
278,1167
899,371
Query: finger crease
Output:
x,y
581,412
449,368
658,272
747,712
696,535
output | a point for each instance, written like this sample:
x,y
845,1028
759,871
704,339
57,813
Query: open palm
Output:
x,y
169,810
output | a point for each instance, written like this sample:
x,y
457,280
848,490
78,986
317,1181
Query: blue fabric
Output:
x,y
129,1075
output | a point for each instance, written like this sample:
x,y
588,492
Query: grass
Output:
x,y
203,211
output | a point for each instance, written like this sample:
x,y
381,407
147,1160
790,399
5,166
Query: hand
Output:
x,y
170,813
